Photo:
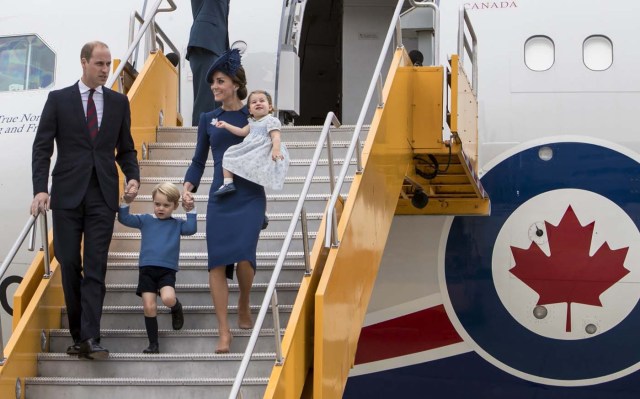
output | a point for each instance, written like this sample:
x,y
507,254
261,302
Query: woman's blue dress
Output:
x,y
234,220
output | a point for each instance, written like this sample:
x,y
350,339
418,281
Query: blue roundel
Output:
x,y
468,263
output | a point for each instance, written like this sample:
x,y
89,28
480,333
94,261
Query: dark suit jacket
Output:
x,y
210,25
63,121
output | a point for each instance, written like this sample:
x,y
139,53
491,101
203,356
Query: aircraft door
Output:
x,y
320,62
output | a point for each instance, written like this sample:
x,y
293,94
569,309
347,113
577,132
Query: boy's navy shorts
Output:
x,y
152,278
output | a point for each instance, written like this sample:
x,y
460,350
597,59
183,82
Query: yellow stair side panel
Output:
x,y
30,282
154,93
467,114
455,66
42,314
350,272
426,92
287,380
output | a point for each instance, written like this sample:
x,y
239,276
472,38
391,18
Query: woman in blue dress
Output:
x,y
233,221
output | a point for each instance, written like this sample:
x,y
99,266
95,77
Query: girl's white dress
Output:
x,y
251,159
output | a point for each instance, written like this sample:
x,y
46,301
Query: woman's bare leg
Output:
x,y
220,295
245,275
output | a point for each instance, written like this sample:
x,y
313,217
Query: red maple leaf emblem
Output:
x,y
569,275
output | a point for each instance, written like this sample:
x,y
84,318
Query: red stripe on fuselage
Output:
x,y
412,333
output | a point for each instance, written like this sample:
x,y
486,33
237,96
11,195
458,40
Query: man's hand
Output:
x,y
40,203
131,191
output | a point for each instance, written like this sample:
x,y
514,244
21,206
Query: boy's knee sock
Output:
x,y
176,307
151,323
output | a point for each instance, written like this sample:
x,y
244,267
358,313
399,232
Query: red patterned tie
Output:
x,y
92,116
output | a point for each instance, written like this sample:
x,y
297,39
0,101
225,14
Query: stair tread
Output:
x,y
201,236
270,197
199,287
197,356
185,308
141,381
288,179
271,216
187,162
204,255
290,144
285,128
288,265
185,333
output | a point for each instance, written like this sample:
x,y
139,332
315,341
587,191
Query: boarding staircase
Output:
x,y
187,366
419,157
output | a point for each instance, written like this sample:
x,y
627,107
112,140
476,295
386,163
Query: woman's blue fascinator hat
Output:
x,y
228,63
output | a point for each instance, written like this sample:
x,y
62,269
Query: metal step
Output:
x,y
297,167
288,133
277,221
194,272
171,341
202,256
136,388
162,365
297,149
198,294
278,203
195,317
269,241
292,185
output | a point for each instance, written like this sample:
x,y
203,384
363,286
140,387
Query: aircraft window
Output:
x,y
26,63
539,53
597,52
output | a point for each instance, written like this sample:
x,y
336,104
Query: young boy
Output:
x,y
159,253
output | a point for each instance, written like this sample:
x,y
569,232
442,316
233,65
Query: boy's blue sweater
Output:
x,y
160,243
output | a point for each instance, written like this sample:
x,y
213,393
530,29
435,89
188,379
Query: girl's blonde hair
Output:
x,y
169,190
266,94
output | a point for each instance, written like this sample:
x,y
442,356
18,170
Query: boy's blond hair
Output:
x,y
169,190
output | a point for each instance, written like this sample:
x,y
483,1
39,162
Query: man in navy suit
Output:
x,y
84,189
208,39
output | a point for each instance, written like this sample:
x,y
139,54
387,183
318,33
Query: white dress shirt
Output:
x,y
98,99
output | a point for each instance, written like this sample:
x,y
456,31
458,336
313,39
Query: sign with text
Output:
x,y
19,123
